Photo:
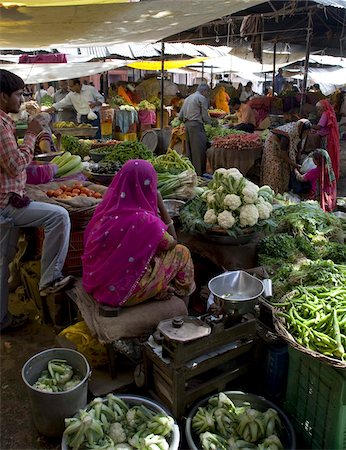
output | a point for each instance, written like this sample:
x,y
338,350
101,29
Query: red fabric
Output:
x,y
123,235
13,159
333,138
147,117
43,59
327,191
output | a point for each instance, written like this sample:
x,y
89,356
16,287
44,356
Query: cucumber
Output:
x,y
70,164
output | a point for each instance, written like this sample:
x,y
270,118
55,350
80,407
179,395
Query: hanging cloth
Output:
x,y
252,28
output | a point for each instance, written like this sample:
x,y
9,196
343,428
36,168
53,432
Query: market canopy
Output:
x,y
168,65
40,73
100,23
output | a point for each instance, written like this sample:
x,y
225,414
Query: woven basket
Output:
x,y
81,217
279,324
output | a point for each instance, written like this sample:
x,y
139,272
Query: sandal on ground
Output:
x,y
57,285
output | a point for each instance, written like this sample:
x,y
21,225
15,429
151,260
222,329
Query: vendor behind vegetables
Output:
x,y
245,115
86,100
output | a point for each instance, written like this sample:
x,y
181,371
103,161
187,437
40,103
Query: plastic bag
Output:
x,y
87,344
37,173
92,115
307,164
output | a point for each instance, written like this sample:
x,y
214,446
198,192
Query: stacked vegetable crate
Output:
x,y
183,372
316,401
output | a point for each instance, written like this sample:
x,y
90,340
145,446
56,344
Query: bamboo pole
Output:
x,y
306,63
162,81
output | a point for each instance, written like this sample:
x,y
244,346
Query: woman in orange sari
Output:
x,y
222,99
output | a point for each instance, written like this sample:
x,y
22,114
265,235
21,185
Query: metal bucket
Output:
x,y
49,409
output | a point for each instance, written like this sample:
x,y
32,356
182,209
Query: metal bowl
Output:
x,y
97,156
173,206
133,400
236,291
287,436
103,178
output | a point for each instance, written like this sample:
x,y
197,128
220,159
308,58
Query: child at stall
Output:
x,y
321,179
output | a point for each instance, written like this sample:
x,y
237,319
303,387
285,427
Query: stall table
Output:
x,y
243,160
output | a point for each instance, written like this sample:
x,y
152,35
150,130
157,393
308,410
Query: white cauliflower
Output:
x,y
210,198
210,216
264,209
117,433
248,215
221,171
250,192
232,201
234,173
226,220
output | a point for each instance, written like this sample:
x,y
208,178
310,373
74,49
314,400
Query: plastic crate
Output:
x,y
316,402
73,262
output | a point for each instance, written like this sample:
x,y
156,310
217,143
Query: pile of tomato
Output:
x,y
64,192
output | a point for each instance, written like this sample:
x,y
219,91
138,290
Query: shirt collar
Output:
x,y
6,118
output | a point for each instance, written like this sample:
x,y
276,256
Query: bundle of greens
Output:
x,y
192,213
112,424
180,186
221,425
76,146
58,377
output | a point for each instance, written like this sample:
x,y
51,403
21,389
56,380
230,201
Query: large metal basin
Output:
x,y
236,291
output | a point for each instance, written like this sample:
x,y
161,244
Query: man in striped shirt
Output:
x,y
16,209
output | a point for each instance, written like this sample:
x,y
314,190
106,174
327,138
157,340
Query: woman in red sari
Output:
x,y
328,129
130,252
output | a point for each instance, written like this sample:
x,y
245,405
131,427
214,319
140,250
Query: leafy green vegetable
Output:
x,y
213,132
128,150
192,213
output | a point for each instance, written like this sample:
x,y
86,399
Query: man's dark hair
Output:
x,y
75,80
10,82
234,101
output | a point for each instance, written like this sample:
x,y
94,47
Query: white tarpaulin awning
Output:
x,y
335,3
108,24
40,73
70,58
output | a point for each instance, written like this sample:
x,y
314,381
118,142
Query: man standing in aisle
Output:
x,y
194,114
280,81
67,114
86,100
16,209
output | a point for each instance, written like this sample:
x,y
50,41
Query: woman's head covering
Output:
x,y
327,163
123,235
293,132
333,138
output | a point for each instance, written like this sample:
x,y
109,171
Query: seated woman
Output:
x,y
44,140
130,253
321,179
245,116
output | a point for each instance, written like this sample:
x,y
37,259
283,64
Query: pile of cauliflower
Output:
x,y
233,200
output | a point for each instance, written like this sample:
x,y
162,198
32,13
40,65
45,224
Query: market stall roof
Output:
x,y
156,65
136,51
97,23
40,73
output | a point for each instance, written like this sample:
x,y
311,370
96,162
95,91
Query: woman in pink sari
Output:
x,y
130,254
328,129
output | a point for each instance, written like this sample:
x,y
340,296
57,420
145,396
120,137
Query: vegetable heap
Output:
x,y
214,132
234,203
181,186
108,168
144,104
223,426
239,142
111,424
76,146
128,150
58,377
68,164
64,192
314,313
172,162
303,230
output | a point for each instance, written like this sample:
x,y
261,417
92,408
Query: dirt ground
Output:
x,y
17,431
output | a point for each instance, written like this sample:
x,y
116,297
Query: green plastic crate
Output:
x,y
316,402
